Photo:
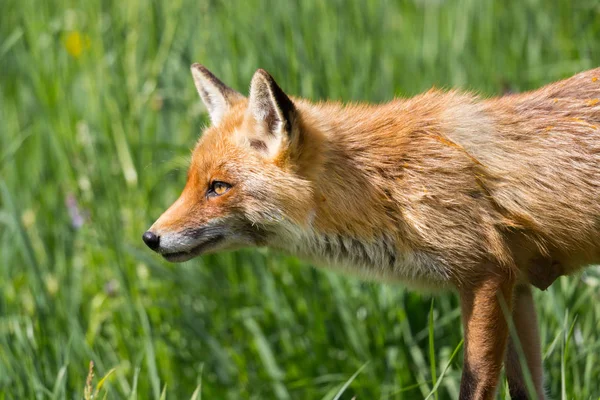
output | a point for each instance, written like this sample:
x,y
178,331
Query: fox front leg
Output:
x,y
486,336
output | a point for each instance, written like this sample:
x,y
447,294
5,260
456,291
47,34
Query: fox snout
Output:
x,y
188,243
186,231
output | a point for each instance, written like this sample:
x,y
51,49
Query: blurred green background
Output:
x,y
98,113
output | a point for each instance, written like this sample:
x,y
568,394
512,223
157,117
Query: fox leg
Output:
x,y
486,336
525,321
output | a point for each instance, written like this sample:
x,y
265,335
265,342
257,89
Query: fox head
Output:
x,y
246,178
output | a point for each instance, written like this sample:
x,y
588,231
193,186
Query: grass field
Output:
x,y
97,116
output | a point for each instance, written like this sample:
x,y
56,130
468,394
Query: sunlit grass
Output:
x,y
97,112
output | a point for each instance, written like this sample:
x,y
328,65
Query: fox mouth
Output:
x,y
181,256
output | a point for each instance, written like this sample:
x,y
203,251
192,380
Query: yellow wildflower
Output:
x,y
76,42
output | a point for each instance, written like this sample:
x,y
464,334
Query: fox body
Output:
x,y
486,196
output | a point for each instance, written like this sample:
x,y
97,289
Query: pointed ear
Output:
x,y
274,112
217,96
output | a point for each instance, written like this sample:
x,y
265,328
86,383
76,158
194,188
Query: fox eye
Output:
x,y
217,188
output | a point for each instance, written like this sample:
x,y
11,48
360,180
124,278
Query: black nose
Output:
x,y
151,240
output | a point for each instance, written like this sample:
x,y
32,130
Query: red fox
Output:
x,y
443,190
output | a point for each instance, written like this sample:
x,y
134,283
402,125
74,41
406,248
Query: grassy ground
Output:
x,y
97,116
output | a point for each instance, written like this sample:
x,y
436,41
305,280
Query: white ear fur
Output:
x,y
217,96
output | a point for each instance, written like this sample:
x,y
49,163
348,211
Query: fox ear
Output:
x,y
274,112
217,96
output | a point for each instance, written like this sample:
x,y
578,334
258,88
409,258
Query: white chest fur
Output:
x,y
379,259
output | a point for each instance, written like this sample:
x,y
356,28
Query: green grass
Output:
x,y
110,131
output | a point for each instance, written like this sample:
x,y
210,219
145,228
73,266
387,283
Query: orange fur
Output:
x,y
441,190
486,335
